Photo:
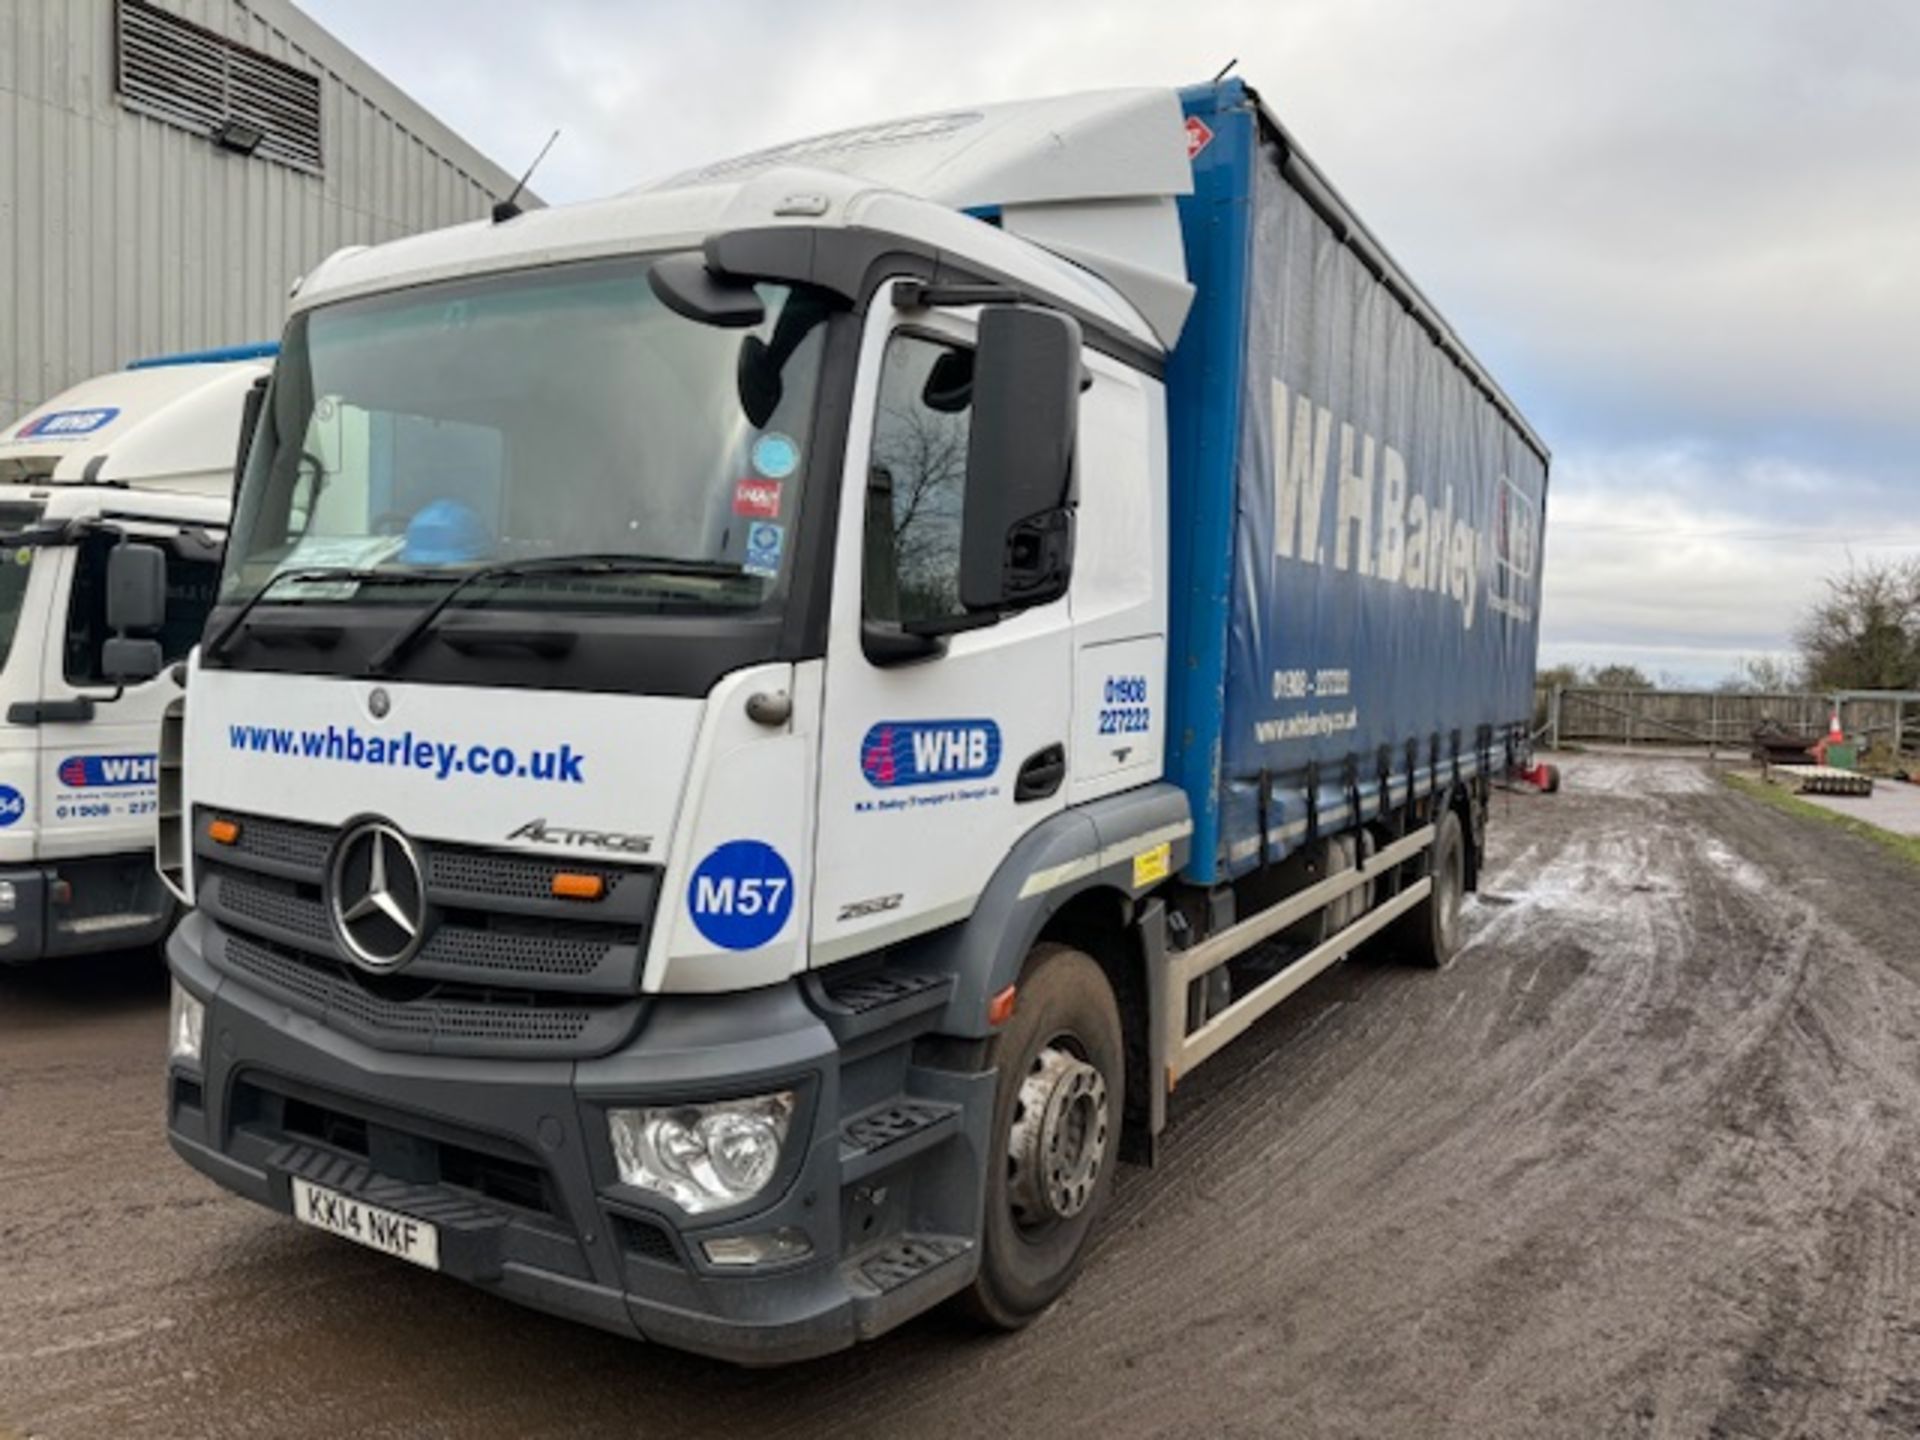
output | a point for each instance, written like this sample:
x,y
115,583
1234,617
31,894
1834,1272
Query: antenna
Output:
x,y
1223,71
504,210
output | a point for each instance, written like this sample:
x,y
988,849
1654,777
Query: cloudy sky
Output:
x,y
1685,234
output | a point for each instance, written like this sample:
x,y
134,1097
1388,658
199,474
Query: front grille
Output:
x,y
549,952
282,842
441,1018
273,903
477,873
506,966
502,947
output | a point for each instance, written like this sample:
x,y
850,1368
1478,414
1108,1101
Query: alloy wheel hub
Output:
x,y
1058,1142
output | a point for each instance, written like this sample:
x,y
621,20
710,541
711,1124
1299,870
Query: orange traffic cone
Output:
x,y
1835,735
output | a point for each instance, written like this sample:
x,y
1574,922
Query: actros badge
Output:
x,y
539,832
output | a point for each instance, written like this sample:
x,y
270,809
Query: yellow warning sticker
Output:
x,y
1151,866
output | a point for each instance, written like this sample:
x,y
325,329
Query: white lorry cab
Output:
x,y
753,731
144,454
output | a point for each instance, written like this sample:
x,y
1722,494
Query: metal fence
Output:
x,y
1720,720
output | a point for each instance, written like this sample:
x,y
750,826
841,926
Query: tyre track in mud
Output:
x,y
1643,1162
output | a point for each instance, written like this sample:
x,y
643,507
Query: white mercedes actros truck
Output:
x,y
143,455
754,731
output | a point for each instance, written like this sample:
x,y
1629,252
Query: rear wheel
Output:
x,y
1056,1126
1430,934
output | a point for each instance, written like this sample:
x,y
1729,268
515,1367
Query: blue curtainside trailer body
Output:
x,y
1357,513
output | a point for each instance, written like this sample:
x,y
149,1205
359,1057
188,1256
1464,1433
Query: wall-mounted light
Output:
x,y
243,137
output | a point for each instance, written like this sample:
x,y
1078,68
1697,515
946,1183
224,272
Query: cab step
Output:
x,y
892,1132
877,1006
903,1277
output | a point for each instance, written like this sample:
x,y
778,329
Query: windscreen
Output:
x,y
16,567
532,417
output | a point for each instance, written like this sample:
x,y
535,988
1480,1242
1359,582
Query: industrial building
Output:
x,y
169,167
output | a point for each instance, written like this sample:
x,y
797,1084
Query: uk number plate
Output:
x,y
368,1225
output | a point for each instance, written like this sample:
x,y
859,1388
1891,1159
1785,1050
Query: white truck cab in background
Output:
x,y
145,453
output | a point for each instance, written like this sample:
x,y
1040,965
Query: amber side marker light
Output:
x,y
1000,1008
222,832
569,886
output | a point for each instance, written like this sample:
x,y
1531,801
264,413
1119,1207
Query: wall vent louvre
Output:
x,y
190,76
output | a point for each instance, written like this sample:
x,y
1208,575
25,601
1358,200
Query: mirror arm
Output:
x,y
919,295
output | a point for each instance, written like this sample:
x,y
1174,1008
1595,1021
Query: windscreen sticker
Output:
x,y
765,541
69,424
775,455
757,499
741,895
13,806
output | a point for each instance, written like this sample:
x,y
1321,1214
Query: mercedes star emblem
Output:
x,y
376,896
379,703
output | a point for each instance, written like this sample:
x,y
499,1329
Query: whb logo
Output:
x,y
81,772
929,752
64,424
741,894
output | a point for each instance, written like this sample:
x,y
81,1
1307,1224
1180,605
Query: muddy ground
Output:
x,y
1646,1161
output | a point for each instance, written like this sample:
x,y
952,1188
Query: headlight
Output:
x,y
7,896
702,1157
185,1020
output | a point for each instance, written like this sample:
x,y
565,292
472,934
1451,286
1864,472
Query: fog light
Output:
x,y
185,1020
702,1157
8,897
786,1243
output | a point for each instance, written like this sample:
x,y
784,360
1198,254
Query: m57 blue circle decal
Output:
x,y
13,806
741,894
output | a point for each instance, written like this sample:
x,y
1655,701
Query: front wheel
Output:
x,y
1056,1128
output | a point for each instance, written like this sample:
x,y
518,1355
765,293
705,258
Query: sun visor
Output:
x,y
1091,177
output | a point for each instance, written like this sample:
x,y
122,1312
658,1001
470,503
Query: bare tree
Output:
x,y
1764,675
924,457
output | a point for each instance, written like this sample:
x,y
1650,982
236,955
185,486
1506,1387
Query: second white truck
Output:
x,y
147,454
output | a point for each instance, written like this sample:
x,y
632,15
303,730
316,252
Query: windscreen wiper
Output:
x,y
219,643
409,635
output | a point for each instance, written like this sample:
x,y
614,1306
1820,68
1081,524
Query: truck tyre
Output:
x,y
1430,932
1056,1135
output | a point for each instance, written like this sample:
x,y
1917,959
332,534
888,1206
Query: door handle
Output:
x,y
1040,774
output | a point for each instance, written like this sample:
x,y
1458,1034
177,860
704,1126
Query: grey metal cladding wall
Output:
x,y
124,235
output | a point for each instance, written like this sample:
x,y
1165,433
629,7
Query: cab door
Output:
x,y
923,754
98,755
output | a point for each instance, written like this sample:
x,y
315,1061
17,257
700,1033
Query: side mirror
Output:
x,y
1016,526
136,609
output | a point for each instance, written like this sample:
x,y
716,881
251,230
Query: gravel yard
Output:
x,y
1645,1161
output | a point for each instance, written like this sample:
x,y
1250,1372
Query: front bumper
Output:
x,y
83,905
510,1157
